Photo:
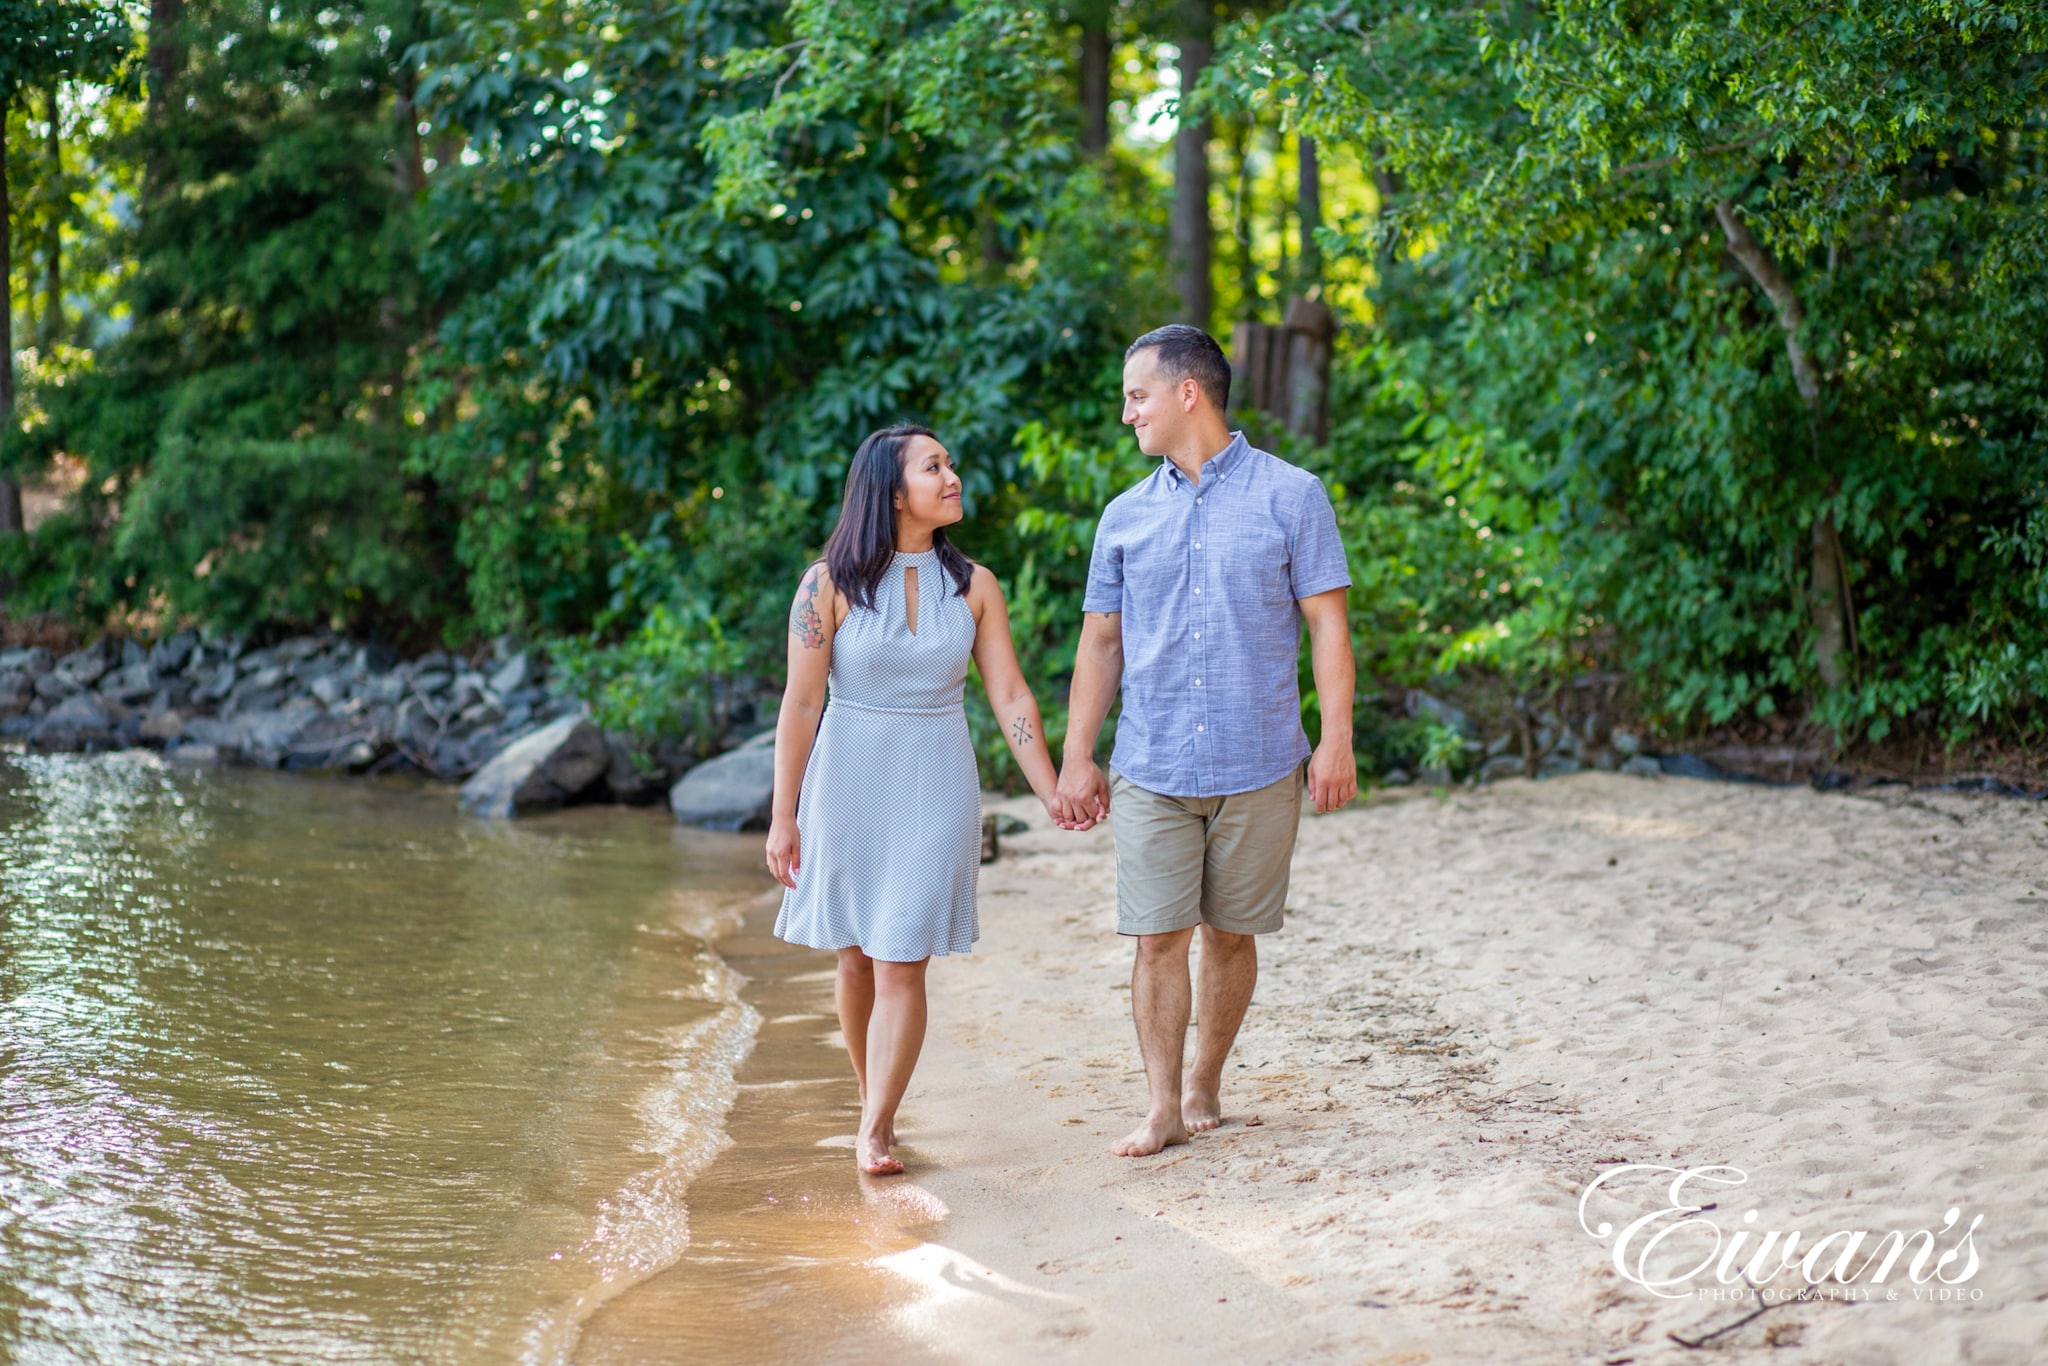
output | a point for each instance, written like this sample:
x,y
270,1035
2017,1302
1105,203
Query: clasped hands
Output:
x,y
1080,801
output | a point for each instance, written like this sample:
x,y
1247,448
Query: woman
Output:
x,y
876,824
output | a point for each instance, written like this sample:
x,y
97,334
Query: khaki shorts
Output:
x,y
1216,861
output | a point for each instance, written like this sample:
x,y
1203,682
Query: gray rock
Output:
x,y
1011,825
298,648
1692,766
57,685
1397,777
222,683
263,679
163,728
512,676
1625,742
133,654
1435,777
81,721
438,661
731,792
1424,706
539,770
259,737
330,688
173,653
427,682
16,689
1500,746
633,782
1643,766
1555,767
130,682
19,727
195,755
34,661
385,687
1501,766
85,665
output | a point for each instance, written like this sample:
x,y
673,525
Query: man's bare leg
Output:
x,y
1229,972
1159,1004
895,1038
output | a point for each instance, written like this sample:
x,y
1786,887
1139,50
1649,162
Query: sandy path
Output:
x,y
1480,1003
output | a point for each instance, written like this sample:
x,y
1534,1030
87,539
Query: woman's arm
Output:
x,y
995,654
813,617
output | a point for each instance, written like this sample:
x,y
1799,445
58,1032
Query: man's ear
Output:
x,y
1190,395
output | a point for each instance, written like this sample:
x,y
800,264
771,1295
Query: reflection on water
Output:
x,y
295,1070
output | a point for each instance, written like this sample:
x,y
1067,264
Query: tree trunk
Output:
x,y
1190,238
1248,300
10,492
1095,78
409,171
166,60
1833,629
51,330
1309,209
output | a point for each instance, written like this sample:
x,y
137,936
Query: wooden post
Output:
x,y
1309,328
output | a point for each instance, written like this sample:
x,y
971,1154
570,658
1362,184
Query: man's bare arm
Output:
x,y
1333,771
1098,672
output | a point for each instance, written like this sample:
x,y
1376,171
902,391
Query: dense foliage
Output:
x,y
1696,343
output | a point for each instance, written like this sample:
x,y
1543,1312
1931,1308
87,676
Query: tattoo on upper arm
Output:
x,y
1021,728
804,622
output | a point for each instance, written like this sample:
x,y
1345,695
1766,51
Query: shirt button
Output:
x,y
1198,635
1198,502
1201,728
1198,545
1198,592
1198,682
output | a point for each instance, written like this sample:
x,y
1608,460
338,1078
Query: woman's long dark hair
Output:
x,y
863,545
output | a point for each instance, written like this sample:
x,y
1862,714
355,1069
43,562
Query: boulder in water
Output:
x,y
539,770
731,792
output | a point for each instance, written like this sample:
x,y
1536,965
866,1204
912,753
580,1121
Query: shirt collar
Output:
x,y
1217,466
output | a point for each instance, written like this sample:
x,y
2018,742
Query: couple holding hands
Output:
x,y
1201,577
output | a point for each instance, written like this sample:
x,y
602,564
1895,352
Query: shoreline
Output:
x,y
1482,1002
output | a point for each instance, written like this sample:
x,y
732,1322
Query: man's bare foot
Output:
x,y
872,1151
1151,1136
1200,1109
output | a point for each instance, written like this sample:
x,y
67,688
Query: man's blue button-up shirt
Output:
x,y
1207,578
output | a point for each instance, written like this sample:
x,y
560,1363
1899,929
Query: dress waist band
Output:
x,y
833,704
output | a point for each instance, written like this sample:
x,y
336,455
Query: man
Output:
x,y
1201,578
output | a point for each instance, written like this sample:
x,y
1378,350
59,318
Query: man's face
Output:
x,y
1156,406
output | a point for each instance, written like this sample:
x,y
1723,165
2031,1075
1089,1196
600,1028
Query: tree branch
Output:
x,y
1791,315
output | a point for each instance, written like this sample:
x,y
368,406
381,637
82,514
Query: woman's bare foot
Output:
x,y
1201,1109
872,1152
1155,1133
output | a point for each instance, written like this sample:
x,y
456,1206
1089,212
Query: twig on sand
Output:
x,y
1762,1308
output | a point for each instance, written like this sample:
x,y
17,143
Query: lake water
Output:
x,y
297,1070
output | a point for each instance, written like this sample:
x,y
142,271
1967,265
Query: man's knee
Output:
x,y
1225,944
1164,948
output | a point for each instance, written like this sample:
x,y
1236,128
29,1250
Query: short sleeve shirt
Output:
x,y
1207,578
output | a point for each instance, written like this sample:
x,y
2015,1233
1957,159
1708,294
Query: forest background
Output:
x,y
1695,351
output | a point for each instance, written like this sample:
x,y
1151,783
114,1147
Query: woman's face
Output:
x,y
931,490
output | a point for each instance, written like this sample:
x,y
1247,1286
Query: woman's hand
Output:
x,y
784,851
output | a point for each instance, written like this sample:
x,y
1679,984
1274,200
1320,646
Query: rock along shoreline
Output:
x,y
325,703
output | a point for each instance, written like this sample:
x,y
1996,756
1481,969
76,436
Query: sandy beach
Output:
x,y
1482,1002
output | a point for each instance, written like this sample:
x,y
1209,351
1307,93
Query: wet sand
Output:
x,y
1481,1003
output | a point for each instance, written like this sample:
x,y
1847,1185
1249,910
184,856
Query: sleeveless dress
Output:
x,y
889,815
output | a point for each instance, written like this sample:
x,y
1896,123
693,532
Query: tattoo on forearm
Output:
x,y
804,623
1021,728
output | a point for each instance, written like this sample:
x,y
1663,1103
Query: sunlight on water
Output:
x,y
294,1070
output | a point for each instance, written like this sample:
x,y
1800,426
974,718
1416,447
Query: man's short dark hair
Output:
x,y
1187,352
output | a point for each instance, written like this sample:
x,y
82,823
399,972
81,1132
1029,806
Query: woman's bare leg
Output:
x,y
854,994
895,1036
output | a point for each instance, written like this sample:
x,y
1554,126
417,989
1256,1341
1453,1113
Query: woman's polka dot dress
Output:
x,y
889,815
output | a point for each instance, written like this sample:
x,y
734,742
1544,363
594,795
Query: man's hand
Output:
x,y
1332,776
1082,795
